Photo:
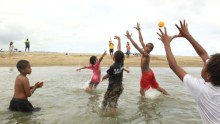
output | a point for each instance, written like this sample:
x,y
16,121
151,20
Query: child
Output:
x,y
111,47
95,67
115,75
206,92
11,48
148,79
22,89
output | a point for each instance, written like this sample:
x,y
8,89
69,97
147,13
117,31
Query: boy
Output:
x,y
111,47
115,75
148,79
22,89
206,92
27,45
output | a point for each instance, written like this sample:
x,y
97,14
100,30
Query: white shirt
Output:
x,y
207,98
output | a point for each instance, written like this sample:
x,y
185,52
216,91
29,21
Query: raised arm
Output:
x,y
183,32
166,39
119,42
128,35
140,35
100,59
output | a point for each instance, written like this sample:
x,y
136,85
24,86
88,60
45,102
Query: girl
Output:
x,y
95,67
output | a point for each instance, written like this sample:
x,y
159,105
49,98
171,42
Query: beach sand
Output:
x,y
76,59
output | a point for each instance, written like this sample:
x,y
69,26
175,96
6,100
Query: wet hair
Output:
x,y
152,46
93,60
119,56
213,68
22,64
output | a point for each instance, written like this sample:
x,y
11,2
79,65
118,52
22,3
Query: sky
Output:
x,y
85,26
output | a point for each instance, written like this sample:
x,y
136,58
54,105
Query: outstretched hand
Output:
x,y
183,29
128,35
116,37
39,84
138,27
164,37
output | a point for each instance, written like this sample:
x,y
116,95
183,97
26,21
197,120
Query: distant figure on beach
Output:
x,y
95,67
23,90
27,45
128,48
206,91
111,47
11,48
115,76
148,79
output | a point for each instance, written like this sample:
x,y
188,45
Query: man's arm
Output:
x,y
183,32
128,35
119,42
105,77
140,35
166,39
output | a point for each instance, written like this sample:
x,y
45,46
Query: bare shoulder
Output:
x,y
21,79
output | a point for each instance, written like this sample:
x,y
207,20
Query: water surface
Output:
x,y
63,100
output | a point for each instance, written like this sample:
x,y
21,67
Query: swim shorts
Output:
x,y
21,105
93,84
148,80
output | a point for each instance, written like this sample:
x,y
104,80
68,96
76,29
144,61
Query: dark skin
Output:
x,y
183,32
145,59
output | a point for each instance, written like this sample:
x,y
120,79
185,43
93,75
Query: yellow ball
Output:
x,y
160,24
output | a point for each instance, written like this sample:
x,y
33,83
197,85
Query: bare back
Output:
x,y
22,87
145,60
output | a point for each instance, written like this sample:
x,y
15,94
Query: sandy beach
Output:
x,y
73,59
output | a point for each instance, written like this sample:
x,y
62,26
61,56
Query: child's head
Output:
x,y
211,69
23,66
11,43
93,60
119,56
149,47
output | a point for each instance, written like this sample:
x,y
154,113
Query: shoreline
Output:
x,y
78,59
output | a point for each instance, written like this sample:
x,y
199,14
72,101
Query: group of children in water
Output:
x,y
206,91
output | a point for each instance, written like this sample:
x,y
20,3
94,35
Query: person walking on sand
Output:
x,y
11,48
27,45
95,67
111,47
148,79
205,91
23,90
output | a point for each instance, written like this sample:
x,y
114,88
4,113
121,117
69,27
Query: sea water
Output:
x,y
63,99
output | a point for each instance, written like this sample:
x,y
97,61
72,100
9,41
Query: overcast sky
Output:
x,y
84,26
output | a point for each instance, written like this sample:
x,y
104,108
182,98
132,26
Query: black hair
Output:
x,y
213,68
152,46
92,60
22,64
119,57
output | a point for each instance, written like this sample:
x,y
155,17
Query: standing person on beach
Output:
x,y
206,91
148,79
128,52
95,67
11,48
114,75
27,45
22,89
111,47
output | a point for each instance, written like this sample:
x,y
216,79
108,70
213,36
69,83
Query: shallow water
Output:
x,y
63,100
